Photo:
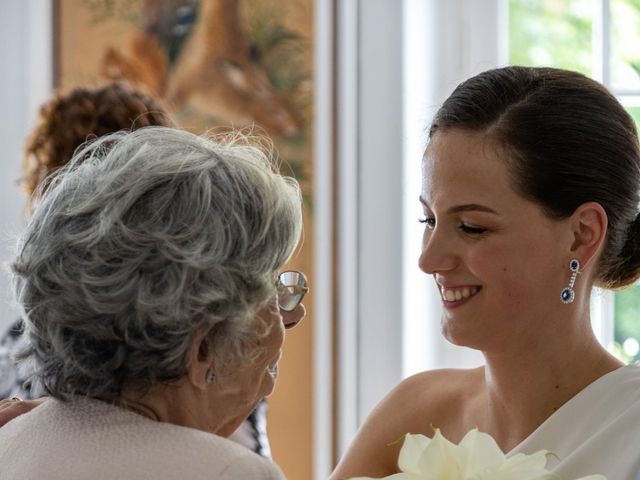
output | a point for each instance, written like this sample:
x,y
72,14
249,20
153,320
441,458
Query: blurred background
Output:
x,y
346,89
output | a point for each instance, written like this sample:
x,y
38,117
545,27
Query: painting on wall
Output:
x,y
217,64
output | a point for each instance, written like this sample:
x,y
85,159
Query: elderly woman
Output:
x,y
64,123
154,309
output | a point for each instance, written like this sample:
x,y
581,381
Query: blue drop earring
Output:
x,y
568,295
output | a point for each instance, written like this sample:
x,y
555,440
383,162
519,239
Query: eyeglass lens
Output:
x,y
292,287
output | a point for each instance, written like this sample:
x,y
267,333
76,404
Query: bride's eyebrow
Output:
x,y
471,207
467,207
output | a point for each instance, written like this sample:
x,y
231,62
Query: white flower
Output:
x,y
477,457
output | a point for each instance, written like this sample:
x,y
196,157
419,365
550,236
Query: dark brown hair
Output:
x,y
567,141
67,121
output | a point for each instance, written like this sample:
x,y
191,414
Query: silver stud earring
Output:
x,y
210,376
568,295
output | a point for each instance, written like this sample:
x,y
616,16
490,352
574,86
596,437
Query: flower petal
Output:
x,y
534,461
522,467
410,453
438,461
478,451
477,457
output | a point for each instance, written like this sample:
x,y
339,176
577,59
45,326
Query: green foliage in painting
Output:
x,y
281,52
107,9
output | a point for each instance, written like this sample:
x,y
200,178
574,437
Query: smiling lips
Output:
x,y
457,294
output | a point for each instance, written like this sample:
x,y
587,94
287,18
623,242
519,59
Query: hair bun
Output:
x,y
628,270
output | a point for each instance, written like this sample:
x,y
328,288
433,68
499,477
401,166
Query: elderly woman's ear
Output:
x,y
200,362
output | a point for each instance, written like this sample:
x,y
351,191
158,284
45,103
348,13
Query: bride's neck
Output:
x,y
524,388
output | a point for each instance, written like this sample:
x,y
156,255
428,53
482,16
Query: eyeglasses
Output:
x,y
292,287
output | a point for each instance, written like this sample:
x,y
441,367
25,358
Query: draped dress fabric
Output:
x,y
597,431
85,438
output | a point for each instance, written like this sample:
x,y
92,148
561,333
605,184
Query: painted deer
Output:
x,y
214,71
146,68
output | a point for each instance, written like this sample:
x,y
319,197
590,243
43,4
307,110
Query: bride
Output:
x,y
530,190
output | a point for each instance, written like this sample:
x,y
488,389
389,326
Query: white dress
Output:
x,y
597,431
89,439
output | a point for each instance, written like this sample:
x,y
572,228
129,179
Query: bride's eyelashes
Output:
x,y
430,223
472,229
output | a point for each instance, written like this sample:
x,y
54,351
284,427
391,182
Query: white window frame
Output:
x,y
602,301
386,95
457,39
322,314
369,151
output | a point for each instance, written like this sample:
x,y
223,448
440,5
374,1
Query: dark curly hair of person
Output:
x,y
69,120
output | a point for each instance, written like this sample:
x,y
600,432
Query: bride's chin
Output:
x,y
459,337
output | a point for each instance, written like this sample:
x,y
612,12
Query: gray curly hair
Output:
x,y
145,240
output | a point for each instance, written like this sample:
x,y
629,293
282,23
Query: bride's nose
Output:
x,y
438,254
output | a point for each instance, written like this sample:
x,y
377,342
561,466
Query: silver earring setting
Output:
x,y
210,376
568,295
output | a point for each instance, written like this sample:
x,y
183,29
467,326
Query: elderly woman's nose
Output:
x,y
292,318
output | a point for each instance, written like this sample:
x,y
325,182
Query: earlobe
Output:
x,y
589,223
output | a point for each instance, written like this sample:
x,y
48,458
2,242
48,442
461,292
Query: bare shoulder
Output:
x,y
419,403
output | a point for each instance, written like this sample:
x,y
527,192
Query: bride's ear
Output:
x,y
589,231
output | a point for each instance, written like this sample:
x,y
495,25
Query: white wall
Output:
x,y
25,82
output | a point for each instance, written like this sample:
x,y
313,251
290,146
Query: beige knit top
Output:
x,y
89,439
